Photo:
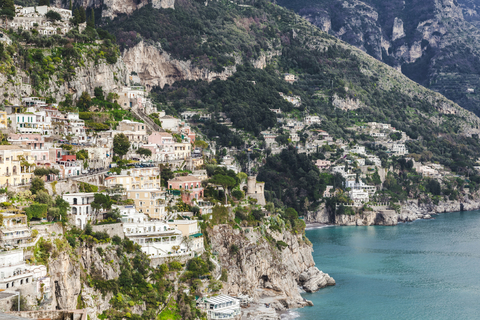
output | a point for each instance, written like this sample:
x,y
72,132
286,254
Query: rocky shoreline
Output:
x,y
409,211
271,277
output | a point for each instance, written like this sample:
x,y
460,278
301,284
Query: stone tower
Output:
x,y
256,189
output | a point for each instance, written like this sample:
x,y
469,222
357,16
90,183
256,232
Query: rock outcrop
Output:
x,y
258,269
111,77
67,276
155,67
409,211
313,279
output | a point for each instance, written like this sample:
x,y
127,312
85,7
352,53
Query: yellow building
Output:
x,y
3,120
149,201
135,179
182,150
14,168
190,229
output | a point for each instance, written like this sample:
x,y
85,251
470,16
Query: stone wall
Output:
x,y
51,314
114,229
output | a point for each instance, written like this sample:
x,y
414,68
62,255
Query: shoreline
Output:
x,y
409,211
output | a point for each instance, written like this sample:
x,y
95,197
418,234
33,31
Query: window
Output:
x,y
26,280
137,195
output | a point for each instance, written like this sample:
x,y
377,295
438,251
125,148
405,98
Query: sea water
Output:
x,y
427,269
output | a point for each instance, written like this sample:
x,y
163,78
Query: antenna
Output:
x,y
249,172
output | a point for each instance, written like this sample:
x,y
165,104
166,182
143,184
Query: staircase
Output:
x,y
148,121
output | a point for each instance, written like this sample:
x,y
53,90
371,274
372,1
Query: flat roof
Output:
x,y
6,316
219,299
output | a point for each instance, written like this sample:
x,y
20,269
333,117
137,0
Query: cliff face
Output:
x,y
68,274
260,270
110,77
410,211
155,67
435,43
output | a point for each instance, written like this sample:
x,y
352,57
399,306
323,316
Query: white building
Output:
x,y
358,196
220,307
399,149
358,149
170,123
309,120
80,205
15,274
360,186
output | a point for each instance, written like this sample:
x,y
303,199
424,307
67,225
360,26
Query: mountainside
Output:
x,y
435,43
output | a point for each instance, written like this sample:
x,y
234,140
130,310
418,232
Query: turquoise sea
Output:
x,y
427,269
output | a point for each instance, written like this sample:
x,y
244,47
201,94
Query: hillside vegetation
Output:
x,y
435,43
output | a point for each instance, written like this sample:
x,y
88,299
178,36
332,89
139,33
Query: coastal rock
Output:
x,y
259,269
314,279
365,219
386,218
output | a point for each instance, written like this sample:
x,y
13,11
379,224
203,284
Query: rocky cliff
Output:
x,y
69,271
153,66
259,269
156,67
410,211
436,43
111,77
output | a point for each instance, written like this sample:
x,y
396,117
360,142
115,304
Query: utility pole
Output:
x,y
18,294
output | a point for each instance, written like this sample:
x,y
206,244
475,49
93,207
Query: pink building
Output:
x,y
187,132
41,157
30,141
323,164
192,186
160,138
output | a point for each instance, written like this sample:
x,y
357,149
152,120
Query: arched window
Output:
x,y
14,169
74,200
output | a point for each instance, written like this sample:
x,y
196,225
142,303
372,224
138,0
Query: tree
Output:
x,y
8,9
82,16
52,15
121,144
290,214
63,207
44,3
84,102
101,201
376,178
37,185
91,21
144,152
82,154
98,91
41,172
242,176
225,181
36,211
200,144
43,197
